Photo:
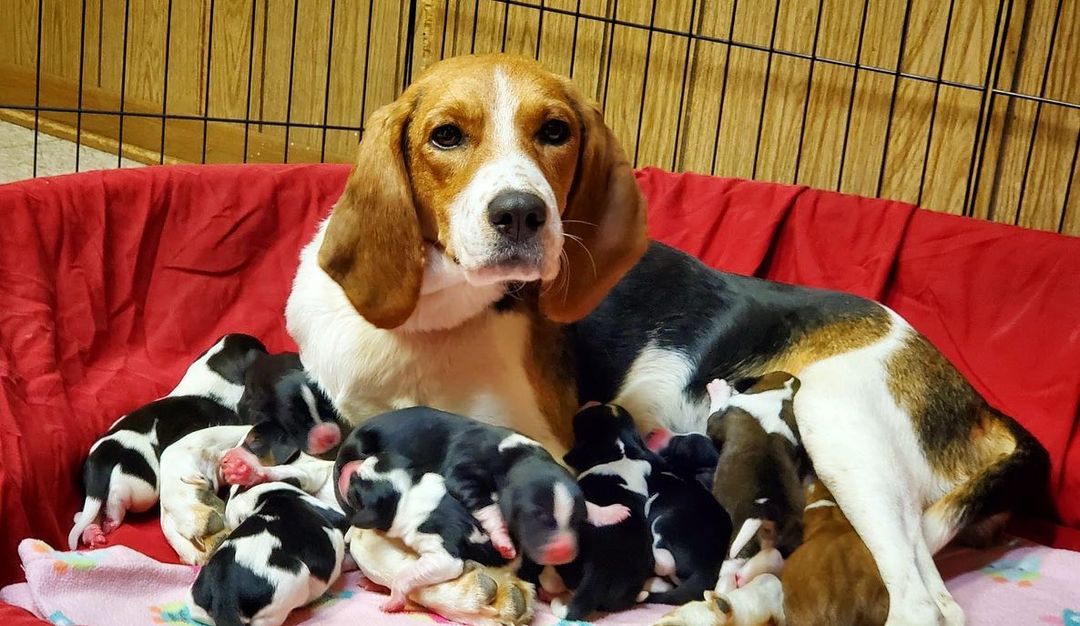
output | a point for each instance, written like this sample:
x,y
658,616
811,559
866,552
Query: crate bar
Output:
x,y
892,99
292,68
329,66
723,86
165,84
1069,184
209,69
37,88
934,105
250,78
809,88
82,64
682,93
851,96
765,89
123,86
645,83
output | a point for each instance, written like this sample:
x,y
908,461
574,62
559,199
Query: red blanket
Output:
x,y
110,282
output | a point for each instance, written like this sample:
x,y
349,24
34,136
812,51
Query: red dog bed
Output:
x,y
110,282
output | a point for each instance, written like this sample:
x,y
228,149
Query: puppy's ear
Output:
x,y
604,222
373,246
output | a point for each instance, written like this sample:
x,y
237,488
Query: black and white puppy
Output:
x,y
121,470
687,455
507,481
690,530
616,560
384,493
290,414
759,475
285,550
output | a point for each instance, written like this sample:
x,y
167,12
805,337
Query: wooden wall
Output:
x,y
845,121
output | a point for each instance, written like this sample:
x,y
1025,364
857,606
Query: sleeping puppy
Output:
x,y
192,515
759,603
617,559
690,530
832,578
286,549
505,480
121,471
290,414
758,474
687,455
383,493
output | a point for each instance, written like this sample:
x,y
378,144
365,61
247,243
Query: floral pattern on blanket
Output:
x,y
1019,583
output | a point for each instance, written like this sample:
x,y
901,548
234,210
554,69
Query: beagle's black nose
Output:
x,y
518,215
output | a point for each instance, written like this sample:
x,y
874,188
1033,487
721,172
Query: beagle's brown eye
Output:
x,y
447,136
554,132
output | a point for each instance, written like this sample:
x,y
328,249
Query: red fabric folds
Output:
x,y
111,281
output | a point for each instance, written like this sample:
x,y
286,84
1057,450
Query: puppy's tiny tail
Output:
x,y
89,514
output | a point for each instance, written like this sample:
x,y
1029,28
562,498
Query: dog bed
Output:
x,y
111,281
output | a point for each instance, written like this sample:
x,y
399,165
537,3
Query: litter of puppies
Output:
x,y
459,516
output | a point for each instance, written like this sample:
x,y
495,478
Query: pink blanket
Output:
x,y
1020,583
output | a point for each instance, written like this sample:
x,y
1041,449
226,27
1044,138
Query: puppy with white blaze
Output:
x,y
286,550
121,471
384,494
759,473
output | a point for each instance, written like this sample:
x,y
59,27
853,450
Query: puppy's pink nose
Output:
x,y
345,478
323,437
560,550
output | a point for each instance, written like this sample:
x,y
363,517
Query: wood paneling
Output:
x,y
810,92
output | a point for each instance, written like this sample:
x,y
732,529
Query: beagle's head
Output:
x,y
495,168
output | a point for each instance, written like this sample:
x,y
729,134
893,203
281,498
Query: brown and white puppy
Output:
x,y
759,472
831,578
488,203
759,603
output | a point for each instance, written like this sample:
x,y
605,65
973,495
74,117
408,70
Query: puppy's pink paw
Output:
x,y
395,604
109,525
94,537
240,467
719,394
658,439
323,437
606,515
504,545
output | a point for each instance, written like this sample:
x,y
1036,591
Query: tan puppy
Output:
x,y
759,603
487,596
831,578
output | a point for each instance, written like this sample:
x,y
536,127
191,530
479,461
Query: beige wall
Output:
x,y
900,137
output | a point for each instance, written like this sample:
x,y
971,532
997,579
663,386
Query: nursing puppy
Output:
x,y
690,530
617,559
758,474
832,578
121,470
504,479
687,455
384,493
286,548
192,515
290,414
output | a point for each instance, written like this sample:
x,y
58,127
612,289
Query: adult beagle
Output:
x,y
489,203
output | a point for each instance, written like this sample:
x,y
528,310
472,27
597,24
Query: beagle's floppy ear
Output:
x,y
373,246
604,224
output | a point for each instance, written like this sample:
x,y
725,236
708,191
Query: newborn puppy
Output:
x,y
286,549
689,455
192,515
758,474
383,493
505,480
616,559
832,563
290,412
690,534
759,603
121,470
